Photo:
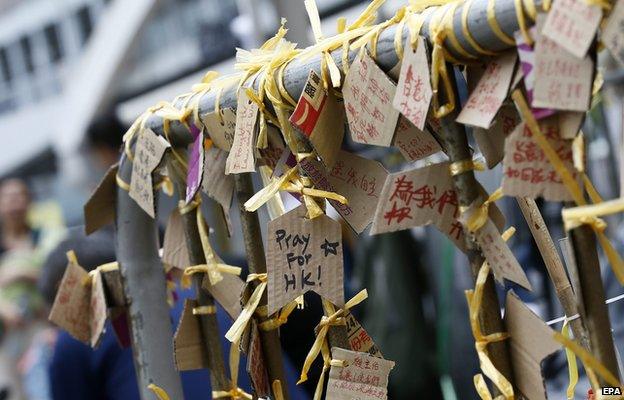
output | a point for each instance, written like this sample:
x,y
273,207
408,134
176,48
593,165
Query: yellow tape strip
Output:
x,y
572,367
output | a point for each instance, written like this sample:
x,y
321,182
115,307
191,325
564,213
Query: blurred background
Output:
x,y
74,74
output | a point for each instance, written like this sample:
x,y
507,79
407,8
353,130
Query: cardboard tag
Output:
x,y
72,305
413,143
526,170
114,290
562,81
148,152
99,210
413,93
492,141
530,342
364,376
241,157
572,24
359,340
357,178
504,264
489,94
569,123
175,253
304,254
227,293
255,364
97,318
196,164
320,118
368,95
271,155
613,33
221,128
121,327
189,352
216,184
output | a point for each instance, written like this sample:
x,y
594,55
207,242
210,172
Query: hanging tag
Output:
x,y
270,155
97,318
99,210
320,118
216,184
72,305
196,164
413,92
241,157
175,253
148,152
562,81
491,141
368,95
304,254
413,143
526,170
572,24
221,129
489,94
363,376
256,367
358,179
613,33
227,292
359,340
189,351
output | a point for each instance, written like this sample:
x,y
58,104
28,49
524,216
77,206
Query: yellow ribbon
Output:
x,y
572,367
329,69
320,343
235,392
438,65
238,327
205,310
280,319
459,167
479,216
277,390
158,391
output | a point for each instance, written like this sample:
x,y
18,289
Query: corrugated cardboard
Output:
x,y
99,210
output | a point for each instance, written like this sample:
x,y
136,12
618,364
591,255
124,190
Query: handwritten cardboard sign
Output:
x,y
562,81
175,253
530,342
357,178
413,93
572,24
613,33
256,367
97,308
241,157
413,143
489,94
491,141
72,305
359,339
221,128
189,351
363,377
320,118
148,152
216,184
368,95
99,210
526,170
303,254
195,165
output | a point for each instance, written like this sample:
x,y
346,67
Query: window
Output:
x,y
53,43
85,23
4,65
26,47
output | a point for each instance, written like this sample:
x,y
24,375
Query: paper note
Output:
x,y
72,305
216,184
530,342
175,253
413,143
256,367
303,254
562,81
148,152
572,24
270,156
368,95
359,340
492,141
241,157
320,118
97,318
489,94
413,93
613,33
227,293
99,210
221,128
357,178
363,377
526,170
195,164
189,351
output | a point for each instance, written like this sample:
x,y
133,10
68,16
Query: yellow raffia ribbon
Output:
x,y
495,27
205,310
598,226
329,69
158,392
482,341
439,70
479,217
372,35
277,389
235,392
321,337
466,32
572,367
238,327
280,319
459,167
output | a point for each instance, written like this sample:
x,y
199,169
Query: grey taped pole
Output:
x,y
145,290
